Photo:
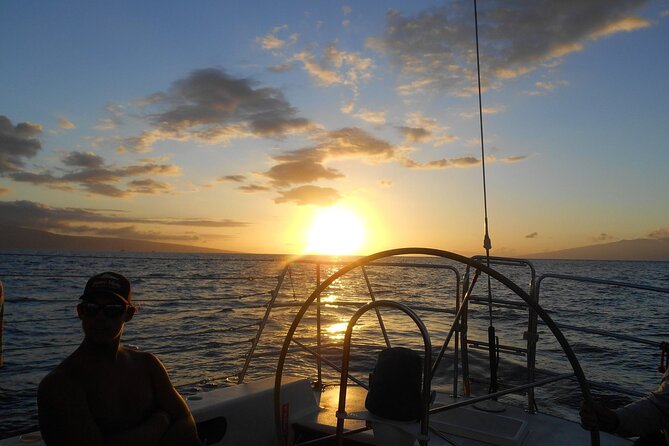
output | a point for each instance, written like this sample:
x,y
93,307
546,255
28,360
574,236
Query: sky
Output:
x,y
241,125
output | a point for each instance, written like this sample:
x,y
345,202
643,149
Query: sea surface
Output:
x,y
199,313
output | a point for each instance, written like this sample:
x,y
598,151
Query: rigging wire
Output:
x,y
487,243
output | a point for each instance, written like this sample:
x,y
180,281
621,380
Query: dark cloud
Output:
x,y
17,143
253,188
148,186
532,235
70,220
90,174
211,106
233,178
305,171
435,48
83,159
414,134
309,195
130,232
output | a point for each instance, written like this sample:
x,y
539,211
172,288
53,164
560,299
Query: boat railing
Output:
x,y
659,345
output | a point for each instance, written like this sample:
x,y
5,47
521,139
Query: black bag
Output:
x,y
395,385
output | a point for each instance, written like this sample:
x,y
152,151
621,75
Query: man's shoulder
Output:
x,y
60,381
142,359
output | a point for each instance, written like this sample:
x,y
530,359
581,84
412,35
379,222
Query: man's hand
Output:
x,y
599,417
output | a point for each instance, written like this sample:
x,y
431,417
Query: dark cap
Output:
x,y
108,284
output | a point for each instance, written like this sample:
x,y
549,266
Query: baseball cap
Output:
x,y
108,284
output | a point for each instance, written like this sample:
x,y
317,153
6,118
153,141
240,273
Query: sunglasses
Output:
x,y
109,310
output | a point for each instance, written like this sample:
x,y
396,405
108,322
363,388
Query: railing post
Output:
x,y
532,337
319,383
2,316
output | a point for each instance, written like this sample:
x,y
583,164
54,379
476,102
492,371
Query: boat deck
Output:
x,y
465,426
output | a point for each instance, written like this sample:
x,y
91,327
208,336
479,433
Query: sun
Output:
x,y
335,231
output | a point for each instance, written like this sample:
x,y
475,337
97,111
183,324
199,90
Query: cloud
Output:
x,y
336,67
490,110
17,143
435,48
414,134
90,173
83,159
421,129
115,119
372,117
544,87
211,106
272,42
309,195
4,191
65,123
148,186
99,222
280,68
532,235
603,237
302,171
232,178
253,188
660,234
444,163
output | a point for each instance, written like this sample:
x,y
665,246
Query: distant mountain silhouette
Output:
x,y
639,249
12,237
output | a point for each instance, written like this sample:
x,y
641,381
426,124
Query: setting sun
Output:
x,y
336,231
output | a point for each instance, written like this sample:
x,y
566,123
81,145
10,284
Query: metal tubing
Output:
x,y
261,327
499,393
319,379
2,317
378,313
427,361
578,371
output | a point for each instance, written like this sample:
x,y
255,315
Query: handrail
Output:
x,y
427,369
2,317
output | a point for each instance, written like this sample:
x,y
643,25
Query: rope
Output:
x,y
487,244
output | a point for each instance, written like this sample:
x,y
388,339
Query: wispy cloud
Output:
x,y
373,117
271,41
80,221
661,233
434,48
532,235
65,123
88,171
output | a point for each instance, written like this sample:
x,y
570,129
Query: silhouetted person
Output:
x,y
106,394
647,418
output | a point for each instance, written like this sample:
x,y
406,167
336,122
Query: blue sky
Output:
x,y
234,124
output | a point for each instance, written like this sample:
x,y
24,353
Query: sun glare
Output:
x,y
335,231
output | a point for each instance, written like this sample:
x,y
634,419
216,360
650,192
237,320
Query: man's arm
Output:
x,y
65,418
182,429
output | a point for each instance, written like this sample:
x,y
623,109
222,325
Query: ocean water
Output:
x,y
199,313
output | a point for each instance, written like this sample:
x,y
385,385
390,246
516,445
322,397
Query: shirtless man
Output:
x,y
105,393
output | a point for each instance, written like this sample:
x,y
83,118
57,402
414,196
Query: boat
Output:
x,y
283,408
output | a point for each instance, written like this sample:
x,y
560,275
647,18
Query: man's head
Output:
x,y
108,284
105,306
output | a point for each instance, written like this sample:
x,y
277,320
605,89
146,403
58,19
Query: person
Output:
x,y
105,393
646,418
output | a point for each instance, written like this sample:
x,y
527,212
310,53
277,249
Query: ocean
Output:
x,y
199,313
